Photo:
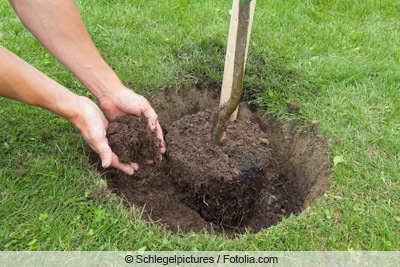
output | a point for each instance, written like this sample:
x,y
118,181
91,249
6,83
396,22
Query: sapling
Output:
x,y
237,42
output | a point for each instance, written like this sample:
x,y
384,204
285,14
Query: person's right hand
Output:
x,y
125,101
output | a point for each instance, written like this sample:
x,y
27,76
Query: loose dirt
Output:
x,y
298,172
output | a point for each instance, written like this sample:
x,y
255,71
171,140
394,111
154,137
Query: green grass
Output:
x,y
339,60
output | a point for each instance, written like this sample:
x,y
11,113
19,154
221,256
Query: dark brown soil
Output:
x,y
130,137
220,182
298,172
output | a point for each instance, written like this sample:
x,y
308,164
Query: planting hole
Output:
x,y
293,166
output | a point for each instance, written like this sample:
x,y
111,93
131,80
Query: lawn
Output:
x,y
338,59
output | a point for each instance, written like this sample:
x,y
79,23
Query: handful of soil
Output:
x,y
132,141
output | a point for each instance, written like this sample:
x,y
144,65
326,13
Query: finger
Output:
x,y
135,166
126,168
147,110
160,135
158,131
163,147
152,119
155,127
109,158
105,153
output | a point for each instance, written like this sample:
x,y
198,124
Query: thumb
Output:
x,y
105,154
109,158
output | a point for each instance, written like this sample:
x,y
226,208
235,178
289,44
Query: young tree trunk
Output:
x,y
225,111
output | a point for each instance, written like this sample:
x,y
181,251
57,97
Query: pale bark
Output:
x,y
223,114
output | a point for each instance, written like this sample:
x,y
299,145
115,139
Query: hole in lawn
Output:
x,y
298,172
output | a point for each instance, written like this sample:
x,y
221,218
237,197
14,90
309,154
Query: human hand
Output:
x,y
92,124
125,101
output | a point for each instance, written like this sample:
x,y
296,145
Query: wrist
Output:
x,y
101,81
86,111
72,110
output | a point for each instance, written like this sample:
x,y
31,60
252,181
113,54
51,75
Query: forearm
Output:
x,y
21,82
58,25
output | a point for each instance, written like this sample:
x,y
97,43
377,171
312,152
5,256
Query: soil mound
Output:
x,y
220,182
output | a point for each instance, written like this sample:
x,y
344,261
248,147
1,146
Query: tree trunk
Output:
x,y
223,114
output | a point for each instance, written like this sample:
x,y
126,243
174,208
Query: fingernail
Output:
x,y
105,164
